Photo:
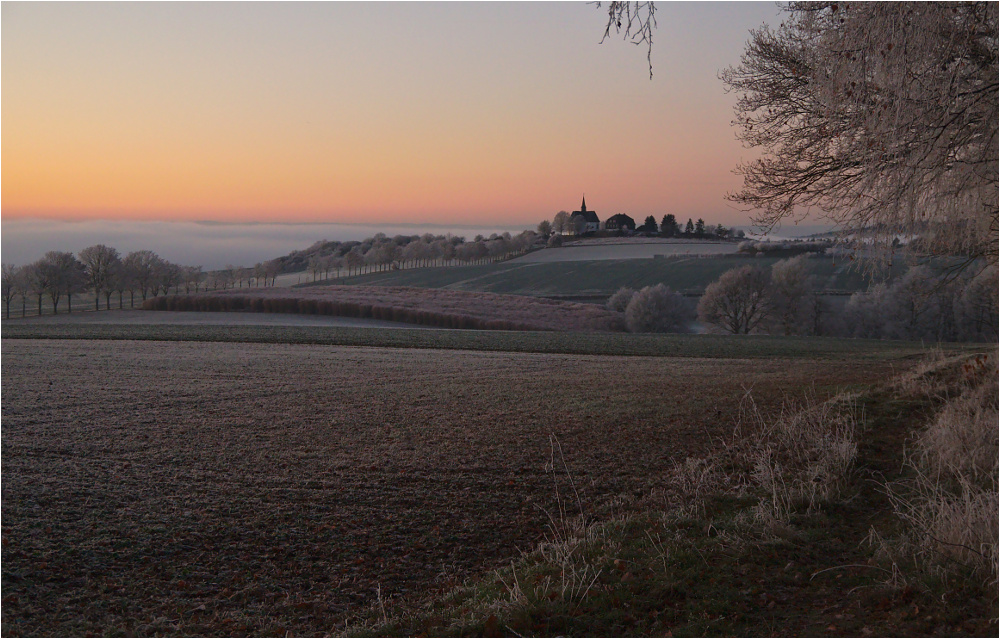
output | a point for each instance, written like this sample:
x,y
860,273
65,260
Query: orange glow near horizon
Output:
x,y
269,113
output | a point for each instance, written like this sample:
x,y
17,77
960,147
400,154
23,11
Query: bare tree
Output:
x,y
142,271
37,279
60,273
739,301
271,270
192,277
117,283
21,286
99,261
883,116
8,285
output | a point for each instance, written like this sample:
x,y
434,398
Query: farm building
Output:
x,y
584,221
619,222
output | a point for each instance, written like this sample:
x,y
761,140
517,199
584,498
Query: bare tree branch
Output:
x,y
635,22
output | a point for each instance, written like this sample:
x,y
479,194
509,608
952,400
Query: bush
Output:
x,y
657,309
555,241
619,301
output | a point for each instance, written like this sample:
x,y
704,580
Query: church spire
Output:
x,y
583,207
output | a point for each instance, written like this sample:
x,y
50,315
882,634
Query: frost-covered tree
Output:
x,y
560,223
883,116
926,305
976,307
620,299
794,304
657,309
738,302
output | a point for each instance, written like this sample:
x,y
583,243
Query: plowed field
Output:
x,y
263,489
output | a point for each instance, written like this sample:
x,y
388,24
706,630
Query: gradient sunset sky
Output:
x,y
365,113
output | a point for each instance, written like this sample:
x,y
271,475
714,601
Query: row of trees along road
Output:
x,y
101,270
381,253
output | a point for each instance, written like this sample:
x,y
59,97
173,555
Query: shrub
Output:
x,y
657,309
620,299
555,241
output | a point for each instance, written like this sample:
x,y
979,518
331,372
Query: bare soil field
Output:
x,y
155,488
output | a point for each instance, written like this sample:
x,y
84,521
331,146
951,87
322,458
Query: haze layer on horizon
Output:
x,y
457,113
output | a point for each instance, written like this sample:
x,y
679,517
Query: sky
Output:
x,y
450,114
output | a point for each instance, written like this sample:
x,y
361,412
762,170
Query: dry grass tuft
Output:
x,y
799,458
950,505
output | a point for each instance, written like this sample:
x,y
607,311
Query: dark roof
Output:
x,y
620,219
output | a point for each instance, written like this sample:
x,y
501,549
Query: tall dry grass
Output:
x,y
796,459
949,507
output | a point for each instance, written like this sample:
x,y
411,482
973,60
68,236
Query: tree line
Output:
x,y
103,271
922,304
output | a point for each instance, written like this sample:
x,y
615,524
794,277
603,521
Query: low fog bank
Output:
x,y
211,245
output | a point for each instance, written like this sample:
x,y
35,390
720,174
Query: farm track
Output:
x,y
256,489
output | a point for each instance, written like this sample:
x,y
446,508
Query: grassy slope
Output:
x,y
725,346
598,277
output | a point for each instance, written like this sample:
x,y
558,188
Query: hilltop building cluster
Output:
x,y
586,222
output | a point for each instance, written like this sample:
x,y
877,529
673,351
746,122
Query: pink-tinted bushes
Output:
x,y
426,307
